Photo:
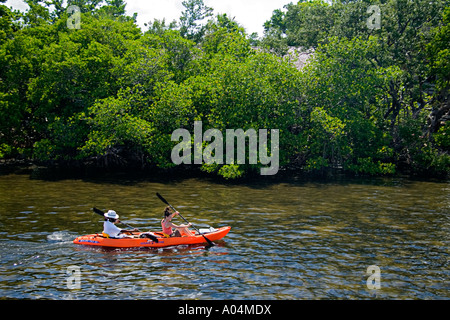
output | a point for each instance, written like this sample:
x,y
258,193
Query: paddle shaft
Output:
x,y
175,210
101,213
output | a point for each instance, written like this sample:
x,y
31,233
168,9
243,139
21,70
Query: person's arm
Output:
x,y
181,226
128,231
170,224
173,225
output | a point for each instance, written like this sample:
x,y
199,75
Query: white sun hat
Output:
x,y
111,214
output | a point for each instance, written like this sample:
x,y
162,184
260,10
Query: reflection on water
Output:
x,y
290,239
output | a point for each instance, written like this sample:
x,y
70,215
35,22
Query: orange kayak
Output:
x,y
136,242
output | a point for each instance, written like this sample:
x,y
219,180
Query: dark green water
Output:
x,y
290,239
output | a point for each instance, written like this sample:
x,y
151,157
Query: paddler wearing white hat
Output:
x,y
109,226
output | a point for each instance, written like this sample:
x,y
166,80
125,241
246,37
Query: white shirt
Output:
x,y
112,230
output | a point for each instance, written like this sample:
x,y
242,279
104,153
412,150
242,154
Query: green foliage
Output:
x,y
179,53
371,167
370,80
7,26
344,89
442,137
224,36
439,53
231,171
5,150
237,89
117,122
419,152
191,19
110,94
62,140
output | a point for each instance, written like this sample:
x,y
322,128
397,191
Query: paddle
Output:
x,y
101,213
165,201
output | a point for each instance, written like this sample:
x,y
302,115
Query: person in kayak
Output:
x,y
110,228
168,225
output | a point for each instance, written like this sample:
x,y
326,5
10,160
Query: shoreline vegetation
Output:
x,y
81,170
347,96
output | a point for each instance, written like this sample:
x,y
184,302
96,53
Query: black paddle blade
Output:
x,y
152,237
99,212
210,243
162,199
